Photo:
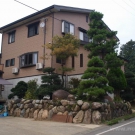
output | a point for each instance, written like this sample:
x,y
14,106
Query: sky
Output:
x,y
119,15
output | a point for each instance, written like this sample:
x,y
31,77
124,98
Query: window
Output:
x,y
81,60
87,18
58,60
7,64
28,59
73,61
33,29
11,37
12,62
84,36
67,27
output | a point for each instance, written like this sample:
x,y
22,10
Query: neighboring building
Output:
x,y
22,43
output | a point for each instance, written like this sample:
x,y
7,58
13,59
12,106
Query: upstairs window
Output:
x,y
33,29
10,62
11,37
83,36
67,27
7,63
87,18
28,59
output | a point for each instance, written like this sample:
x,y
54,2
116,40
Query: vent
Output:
x,y
39,66
14,70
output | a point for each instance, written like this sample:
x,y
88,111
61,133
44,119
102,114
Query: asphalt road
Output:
x,y
123,128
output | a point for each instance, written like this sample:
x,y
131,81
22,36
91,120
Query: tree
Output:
x,y
50,83
103,40
32,89
63,48
94,84
19,90
117,80
128,52
128,93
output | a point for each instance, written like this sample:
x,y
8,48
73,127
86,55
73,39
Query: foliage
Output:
x,y
103,40
74,82
117,120
63,47
117,80
19,90
129,92
32,88
128,52
94,83
50,83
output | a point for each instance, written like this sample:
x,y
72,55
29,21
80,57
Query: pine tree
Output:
x,y
50,83
103,40
94,84
128,52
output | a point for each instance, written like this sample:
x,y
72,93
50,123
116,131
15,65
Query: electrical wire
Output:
x,y
129,5
123,8
35,9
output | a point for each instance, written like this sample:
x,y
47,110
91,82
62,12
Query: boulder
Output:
x,y
27,113
18,112
40,106
80,102
26,106
31,113
59,113
17,101
54,109
65,113
21,106
61,109
87,117
35,115
85,106
22,113
96,117
45,114
77,108
50,107
79,117
96,105
37,101
71,97
50,114
64,102
11,111
40,114
28,101
60,94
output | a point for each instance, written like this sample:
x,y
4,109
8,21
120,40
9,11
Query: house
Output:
x,y
22,42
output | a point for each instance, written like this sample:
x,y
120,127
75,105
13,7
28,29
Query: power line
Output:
x,y
36,9
124,8
129,5
132,2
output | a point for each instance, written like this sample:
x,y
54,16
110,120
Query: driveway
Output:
x,y
25,126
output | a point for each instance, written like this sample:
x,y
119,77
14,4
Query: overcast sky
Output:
x,y
119,15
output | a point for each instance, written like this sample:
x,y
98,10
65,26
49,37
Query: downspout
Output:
x,y
44,42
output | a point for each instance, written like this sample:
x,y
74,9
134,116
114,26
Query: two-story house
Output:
x,y
22,42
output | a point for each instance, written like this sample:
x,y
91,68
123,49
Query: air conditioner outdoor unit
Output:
x,y
39,66
14,70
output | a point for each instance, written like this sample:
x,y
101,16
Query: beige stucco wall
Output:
x,y
79,20
22,45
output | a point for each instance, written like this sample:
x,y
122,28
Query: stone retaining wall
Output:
x,y
67,110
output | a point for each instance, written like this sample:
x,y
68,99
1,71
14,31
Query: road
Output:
x,y
123,128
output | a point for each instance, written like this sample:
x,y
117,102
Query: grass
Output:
x,y
119,119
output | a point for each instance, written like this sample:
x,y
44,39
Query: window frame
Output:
x,y
70,26
81,60
26,61
11,37
35,28
73,61
87,18
7,63
12,60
